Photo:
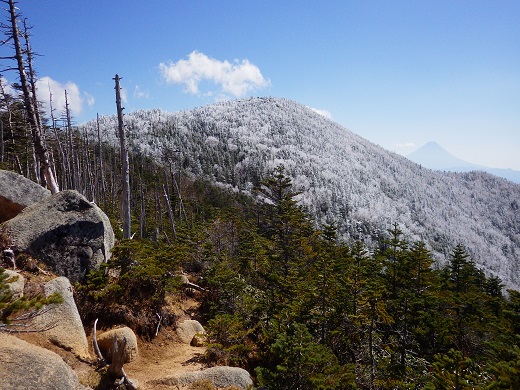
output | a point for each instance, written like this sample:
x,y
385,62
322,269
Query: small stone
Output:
x,y
189,328
198,340
106,340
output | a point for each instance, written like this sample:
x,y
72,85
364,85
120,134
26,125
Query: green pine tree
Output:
x,y
299,363
11,306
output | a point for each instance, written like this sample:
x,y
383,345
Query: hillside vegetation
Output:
x,y
343,178
299,302
322,261
300,308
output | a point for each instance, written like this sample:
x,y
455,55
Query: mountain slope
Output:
x,y
343,178
433,156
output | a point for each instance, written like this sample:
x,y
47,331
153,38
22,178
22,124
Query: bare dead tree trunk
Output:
x,y
101,170
1,141
73,182
125,174
113,177
89,176
58,142
142,214
116,369
32,74
118,357
53,166
170,212
27,164
36,130
32,82
158,211
36,164
182,210
101,360
7,100
117,360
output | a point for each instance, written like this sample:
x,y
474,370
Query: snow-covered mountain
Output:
x,y
343,177
433,156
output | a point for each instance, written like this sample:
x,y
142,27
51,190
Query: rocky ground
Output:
x,y
163,356
166,354
55,241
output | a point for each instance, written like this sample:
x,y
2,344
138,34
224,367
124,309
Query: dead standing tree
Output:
x,y
32,73
30,102
117,359
125,171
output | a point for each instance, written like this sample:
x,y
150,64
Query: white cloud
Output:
x,y
236,79
7,87
124,95
46,86
325,113
90,99
140,94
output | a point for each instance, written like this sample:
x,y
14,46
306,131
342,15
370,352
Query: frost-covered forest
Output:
x,y
324,261
342,177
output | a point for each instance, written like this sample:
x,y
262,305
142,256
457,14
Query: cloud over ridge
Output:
x,y
236,79
46,86
324,113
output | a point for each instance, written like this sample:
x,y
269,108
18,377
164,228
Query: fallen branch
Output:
x,y
24,328
101,360
116,369
23,323
194,286
42,271
158,325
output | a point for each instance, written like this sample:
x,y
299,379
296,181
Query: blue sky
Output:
x,y
398,73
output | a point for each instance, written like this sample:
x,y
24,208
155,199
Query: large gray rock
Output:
x,y
26,366
106,342
67,331
65,231
16,283
187,329
16,193
222,376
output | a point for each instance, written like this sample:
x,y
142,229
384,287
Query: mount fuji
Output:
x,y
433,156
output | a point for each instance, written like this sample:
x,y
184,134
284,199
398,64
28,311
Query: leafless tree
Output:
x,y
125,171
29,98
117,360
58,142
170,211
100,158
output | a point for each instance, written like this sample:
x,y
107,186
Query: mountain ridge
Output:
x,y
433,156
343,178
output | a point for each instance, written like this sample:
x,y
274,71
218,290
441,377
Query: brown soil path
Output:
x,y
163,356
166,355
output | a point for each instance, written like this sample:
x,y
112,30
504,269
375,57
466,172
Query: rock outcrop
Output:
x,y
106,341
16,193
188,329
198,340
222,376
26,366
16,283
65,231
68,331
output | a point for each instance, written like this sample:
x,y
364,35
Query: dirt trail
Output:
x,y
166,355
161,357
